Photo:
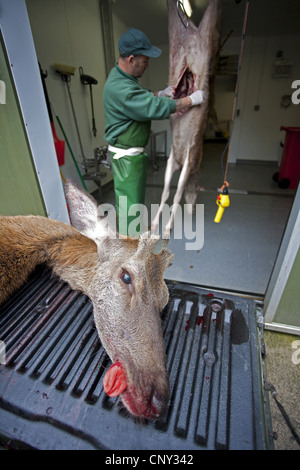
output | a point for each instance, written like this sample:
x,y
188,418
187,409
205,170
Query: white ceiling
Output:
x,y
265,17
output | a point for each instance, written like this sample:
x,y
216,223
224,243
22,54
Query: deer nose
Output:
x,y
159,404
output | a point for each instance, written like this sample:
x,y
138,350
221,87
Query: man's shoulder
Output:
x,y
119,83
111,76
117,74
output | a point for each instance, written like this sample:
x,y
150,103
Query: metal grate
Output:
x,y
51,394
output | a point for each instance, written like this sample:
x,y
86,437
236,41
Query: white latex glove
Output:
x,y
169,92
197,97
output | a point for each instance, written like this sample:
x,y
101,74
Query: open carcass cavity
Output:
x,y
185,84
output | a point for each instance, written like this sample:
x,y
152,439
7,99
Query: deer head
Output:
x,y
128,293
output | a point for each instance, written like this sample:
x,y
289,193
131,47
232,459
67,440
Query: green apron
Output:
x,y
130,175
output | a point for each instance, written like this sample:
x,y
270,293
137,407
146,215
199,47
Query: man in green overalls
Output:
x,y
129,109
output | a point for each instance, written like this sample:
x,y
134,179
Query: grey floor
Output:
x,y
238,253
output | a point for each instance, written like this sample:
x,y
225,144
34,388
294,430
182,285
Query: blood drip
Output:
x,y
114,382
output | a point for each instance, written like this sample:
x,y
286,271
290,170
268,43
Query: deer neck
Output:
x,y
75,260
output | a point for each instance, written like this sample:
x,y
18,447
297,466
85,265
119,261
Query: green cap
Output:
x,y
135,42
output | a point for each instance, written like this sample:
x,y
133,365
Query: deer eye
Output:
x,y
125,277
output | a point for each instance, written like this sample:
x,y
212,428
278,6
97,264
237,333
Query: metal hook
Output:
x,y
183,15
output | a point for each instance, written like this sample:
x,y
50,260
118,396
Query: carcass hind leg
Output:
x,y
170,168
184,175
191,190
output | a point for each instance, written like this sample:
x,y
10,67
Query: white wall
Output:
x,y
257,134
69,32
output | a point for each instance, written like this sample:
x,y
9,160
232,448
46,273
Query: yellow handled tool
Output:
x,y
222,201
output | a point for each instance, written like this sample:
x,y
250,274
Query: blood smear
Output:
x,y
114,382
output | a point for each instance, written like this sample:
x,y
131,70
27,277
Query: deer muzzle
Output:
x,y
147,397
151,405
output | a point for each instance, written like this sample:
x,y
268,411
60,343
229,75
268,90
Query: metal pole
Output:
x,y
76,124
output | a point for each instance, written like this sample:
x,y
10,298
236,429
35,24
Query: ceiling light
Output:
x,y
187,7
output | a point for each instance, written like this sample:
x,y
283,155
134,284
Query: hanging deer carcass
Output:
x,y
123,279
191,63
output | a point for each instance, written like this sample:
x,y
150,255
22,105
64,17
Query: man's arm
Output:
x,y
183,103
194,99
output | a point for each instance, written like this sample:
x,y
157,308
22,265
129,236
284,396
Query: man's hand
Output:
x,y
169,92
194,99
197,97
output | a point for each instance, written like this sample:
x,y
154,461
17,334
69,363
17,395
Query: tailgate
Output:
x,y
51,394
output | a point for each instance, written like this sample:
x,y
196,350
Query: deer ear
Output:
x,y
85,214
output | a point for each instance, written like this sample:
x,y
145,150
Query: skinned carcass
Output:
x,y
191,63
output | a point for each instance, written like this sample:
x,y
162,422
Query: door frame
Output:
x,y
283,265
23,64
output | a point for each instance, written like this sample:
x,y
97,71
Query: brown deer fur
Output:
x,y
91,259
